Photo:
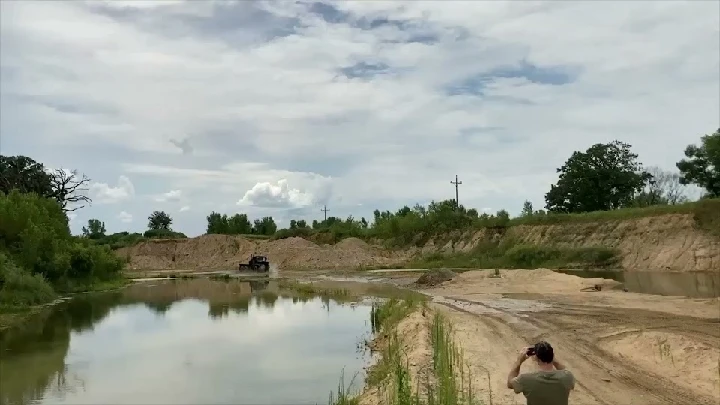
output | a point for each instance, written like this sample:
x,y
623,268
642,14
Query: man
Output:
x,y
550,385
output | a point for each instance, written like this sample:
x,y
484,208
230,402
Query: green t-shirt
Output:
x,y
545,387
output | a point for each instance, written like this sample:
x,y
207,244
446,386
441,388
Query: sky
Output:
x,y
280,107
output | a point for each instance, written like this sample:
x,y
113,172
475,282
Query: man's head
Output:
x,y
544,352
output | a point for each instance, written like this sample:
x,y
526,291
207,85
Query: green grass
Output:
x,y
344,396
449,384
453,386
706,213
306,290
491,255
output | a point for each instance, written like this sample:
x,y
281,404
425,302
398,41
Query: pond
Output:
x,y
186,342
687,284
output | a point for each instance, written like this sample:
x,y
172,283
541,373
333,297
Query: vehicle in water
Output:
x,y
256,263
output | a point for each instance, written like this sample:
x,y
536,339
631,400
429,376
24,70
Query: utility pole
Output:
x,y
325,210
457,198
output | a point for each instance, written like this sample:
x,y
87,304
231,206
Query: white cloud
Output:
x,y
106,194
188,103
184,208
278,195
124,217
172,195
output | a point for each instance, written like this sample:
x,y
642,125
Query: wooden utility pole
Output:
x,y
325,210
457,198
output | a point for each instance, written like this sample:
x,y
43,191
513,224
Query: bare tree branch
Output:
x,y
70,189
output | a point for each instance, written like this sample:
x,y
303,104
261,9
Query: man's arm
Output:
x,y
558,365
515,371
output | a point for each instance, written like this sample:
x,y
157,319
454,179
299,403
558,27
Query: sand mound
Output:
x,y
542,281
293,243
435,277
679,358
353,244
225,252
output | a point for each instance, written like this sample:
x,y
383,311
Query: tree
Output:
x,y
702,166
217,224
604,177
25,175
527,209
364,223
663,189
159,220
94,230
239,224
29,176
265,226
69,188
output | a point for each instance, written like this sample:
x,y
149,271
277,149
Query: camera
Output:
x,y
530,351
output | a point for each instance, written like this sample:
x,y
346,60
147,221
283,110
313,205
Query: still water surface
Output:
x,y
685,284
185,342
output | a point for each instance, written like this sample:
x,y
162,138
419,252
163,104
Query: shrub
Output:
x,y
18,288
164,234
38,251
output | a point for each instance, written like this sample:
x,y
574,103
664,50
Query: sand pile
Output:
x,y
225,252
540,281
435,277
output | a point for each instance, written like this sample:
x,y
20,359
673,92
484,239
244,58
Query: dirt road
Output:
x,y
624,348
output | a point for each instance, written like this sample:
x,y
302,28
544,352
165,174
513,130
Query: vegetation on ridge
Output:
x,y
39,256
449,382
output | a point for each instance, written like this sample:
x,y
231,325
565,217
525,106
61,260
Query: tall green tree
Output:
x,y
527,209
265,226
604,177
702,166
239,224
94,230
217,224
159,220
24,175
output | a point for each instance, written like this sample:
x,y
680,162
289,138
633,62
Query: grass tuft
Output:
x,y
449,384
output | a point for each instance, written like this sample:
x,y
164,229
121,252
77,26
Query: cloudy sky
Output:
x,y
276,108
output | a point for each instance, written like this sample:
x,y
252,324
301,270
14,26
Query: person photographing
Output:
x,y
550,385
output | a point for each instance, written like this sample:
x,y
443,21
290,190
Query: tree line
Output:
x,y
604,177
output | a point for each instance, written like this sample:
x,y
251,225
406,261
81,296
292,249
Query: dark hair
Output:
x,y
544,352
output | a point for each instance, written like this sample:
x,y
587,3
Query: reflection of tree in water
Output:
x,y
160,307
33,356
266,299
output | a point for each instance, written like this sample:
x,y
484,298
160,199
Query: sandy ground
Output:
x,y
624,348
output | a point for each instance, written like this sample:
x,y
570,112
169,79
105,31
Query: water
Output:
x,y
687,284
185,342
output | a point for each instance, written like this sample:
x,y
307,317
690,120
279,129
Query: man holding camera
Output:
x,y
551,385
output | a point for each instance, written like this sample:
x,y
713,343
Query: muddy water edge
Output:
x,y
683,284
193,341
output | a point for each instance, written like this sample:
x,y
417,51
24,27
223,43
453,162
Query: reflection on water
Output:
x,y
190,341
688,284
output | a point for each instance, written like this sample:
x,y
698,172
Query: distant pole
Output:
x,y
457,196
325,210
